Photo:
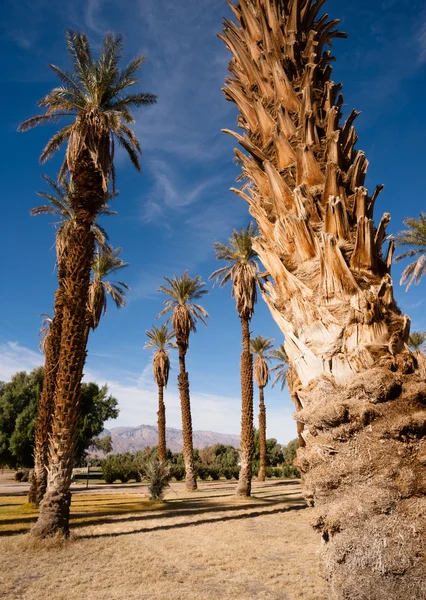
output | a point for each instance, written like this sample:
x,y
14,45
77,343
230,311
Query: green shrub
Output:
x,y
120,466
277,472
178,472
202,472
214,473
235,472
228,473
290,472
158,475
269,472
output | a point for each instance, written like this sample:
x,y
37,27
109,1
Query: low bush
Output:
x,y
269,472
290,472
214,473
277,472
178,472
158,475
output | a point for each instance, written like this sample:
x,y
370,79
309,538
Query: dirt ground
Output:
x,y
207,545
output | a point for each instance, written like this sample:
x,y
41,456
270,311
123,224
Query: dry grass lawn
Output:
x,y
201,546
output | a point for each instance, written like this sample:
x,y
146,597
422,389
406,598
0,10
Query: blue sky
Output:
x,y
170,215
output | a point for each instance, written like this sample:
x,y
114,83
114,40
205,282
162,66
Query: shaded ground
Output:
x,y
201,546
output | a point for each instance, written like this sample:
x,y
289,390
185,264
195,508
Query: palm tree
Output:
x,y
160,340
415,238
417,340
260,347
281,368
94,97
106,262
181,292
329,289
241,268
60,206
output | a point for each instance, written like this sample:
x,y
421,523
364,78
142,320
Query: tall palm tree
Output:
x,y
160,340
260,347
60,206
241,268
94,96
417,340
415,238
181,292
281,368
329,289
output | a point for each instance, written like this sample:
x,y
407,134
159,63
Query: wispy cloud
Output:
x,y
14,357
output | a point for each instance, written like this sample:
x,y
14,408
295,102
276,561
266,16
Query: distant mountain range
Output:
x,y
131,439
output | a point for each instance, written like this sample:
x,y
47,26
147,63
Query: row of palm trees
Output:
x,y
182,293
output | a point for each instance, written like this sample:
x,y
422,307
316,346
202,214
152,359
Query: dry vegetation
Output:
x,y
204,545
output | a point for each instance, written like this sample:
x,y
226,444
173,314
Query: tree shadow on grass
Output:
x,y
222,519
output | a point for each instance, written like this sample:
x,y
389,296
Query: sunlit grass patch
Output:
x,y
17,516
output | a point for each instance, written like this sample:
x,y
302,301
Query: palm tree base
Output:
x,y
54,515
261,476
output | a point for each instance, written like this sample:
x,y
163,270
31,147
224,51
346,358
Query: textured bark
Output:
x,y
88,199
42,428
358,391
262,436
161,414
188,449
247,432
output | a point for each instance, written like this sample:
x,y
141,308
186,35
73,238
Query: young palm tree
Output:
x,y
160,340
415,238
281,368
181,292
417,340
260,347
59,206
106,262
94,95
241,268
355,384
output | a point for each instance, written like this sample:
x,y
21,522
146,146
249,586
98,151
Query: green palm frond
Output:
x,y
181,292
160,338
241,268
93,95
415,238
417,340
106,262
60,206
261,346
280,369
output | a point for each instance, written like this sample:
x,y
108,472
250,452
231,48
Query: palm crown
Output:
x,y
106,262
241,268
260,346
94,96
281,368
414,237
417,340
160,340
60,206
182,292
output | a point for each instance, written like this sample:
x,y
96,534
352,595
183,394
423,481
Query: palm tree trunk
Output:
x,y
88,199
188,450
358,390
262,436
44,412
162,450
247,431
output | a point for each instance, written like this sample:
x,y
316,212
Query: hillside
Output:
x,y
131,439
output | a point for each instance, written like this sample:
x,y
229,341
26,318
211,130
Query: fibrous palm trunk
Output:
x,y
52,346
357,388
262,436
161,421
89,197
185,403
247,431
